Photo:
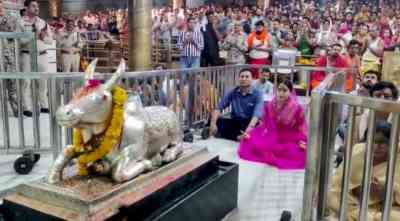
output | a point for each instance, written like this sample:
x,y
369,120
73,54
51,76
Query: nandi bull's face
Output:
x,y
89,106
92,104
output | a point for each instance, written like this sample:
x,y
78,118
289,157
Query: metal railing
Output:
x,y
326,102
192,93
109,51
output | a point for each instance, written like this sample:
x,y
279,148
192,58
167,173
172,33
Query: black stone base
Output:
x,y
205,194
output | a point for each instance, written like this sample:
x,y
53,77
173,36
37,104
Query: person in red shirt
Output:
x,y
333,59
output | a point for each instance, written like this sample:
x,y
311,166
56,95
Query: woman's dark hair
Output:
x,y
382,132
385,84
286,82
384,128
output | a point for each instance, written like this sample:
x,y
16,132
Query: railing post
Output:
x,y
3,101
35,112
55,131
313,152
67,95
390,172
368,161
347,165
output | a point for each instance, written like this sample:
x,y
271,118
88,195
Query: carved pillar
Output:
x,y
140,34
54,8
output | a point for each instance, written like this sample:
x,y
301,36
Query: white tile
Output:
x,y
264,192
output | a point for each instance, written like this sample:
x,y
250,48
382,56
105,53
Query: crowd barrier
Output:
x,y
326,103
192,93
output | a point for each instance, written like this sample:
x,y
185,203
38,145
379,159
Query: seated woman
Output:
x,y
280,138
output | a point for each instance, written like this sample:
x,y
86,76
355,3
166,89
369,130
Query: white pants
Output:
x,y
70,62
43,66
26,84
40,85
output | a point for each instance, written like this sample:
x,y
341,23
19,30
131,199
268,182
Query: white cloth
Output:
x,y
70,45
257,54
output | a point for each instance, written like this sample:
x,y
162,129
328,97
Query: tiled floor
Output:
x,y
264,192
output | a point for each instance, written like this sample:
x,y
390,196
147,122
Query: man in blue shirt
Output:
x,y
246,104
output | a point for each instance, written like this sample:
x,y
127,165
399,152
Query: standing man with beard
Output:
x,y
31,22
259,47
8,24
333,59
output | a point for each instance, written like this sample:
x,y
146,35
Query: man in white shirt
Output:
x,y
69,43
31,22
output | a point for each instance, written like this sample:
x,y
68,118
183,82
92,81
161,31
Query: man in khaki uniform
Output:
x,y
32,23
69,43
8,24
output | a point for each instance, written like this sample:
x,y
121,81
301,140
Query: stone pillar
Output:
x,y
177,4
140,34
54,8
263,4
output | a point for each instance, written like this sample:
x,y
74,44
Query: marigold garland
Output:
x,y
111,137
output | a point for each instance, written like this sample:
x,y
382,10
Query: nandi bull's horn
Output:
x,y
89,72
113,80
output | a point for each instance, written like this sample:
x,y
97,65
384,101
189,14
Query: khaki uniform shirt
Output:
x,y
8,24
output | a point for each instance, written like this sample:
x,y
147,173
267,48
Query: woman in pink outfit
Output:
x,y
281,137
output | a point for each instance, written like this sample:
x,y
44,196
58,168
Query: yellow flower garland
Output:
x,y
111,137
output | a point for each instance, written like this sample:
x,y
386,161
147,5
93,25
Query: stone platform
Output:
x,y
100,199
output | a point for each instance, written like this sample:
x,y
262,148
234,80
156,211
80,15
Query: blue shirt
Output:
x,y
243,106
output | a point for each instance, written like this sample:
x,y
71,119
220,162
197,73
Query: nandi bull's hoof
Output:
x,y
126,170
54,178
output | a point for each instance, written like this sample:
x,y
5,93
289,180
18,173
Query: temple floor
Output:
x,y
264,192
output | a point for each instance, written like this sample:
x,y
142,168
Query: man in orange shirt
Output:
x,y
259,47
353,59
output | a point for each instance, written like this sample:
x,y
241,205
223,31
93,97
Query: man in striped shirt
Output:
x,y
191,43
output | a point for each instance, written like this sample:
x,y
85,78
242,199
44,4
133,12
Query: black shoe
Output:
x,y
44,110
286,216
27,113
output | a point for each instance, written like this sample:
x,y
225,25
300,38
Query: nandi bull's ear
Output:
x,y
113,80
89,72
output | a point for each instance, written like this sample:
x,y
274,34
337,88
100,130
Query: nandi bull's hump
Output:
x,y
154,127
160,120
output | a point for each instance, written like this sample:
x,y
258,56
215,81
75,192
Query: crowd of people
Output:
x,y
270,123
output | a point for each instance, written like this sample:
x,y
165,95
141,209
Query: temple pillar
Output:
x,y
177,4
263,3
54,8
140,34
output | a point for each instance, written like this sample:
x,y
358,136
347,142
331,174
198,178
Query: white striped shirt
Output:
x,y
191,49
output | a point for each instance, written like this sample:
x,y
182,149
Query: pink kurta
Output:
x,y
276,140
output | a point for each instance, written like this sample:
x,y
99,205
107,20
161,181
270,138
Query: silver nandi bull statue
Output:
x,y
114,137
